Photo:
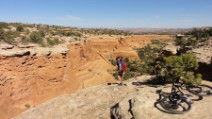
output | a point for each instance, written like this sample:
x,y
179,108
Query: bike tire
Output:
x,y
201,90
166,105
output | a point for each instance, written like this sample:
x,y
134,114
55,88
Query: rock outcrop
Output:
x,y
170,49
33,52
27,46
46,73
6,46
203,54
19,53
129,100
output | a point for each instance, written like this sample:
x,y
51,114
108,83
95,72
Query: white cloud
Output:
x,y
69,18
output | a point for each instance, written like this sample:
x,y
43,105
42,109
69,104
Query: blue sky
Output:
x,y
110,13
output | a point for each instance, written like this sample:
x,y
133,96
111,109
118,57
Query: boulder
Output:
x,y
184,49
170,49
13,53
27,46
6,46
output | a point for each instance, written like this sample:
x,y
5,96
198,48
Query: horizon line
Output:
x,y
94,27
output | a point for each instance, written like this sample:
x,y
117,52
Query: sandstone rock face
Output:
x,y
6,46
203,54
19,53
30,80
122,46
45,73
33,52
27,46
170,49
113,101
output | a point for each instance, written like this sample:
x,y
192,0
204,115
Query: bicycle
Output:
x,y
175,102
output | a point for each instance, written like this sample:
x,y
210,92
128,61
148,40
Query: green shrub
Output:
x,y
42,33
27,106
1,34
25,40
134,68
27,31
148,54
169,68
9,36
209,31
20,28
77,34
192,42
36,37
145,65
200,33
53,42
180,42
126,60
9,40
53,33
128,74
115,74
186,42
3,25
179,68
155,41
113,62
11,33
191,78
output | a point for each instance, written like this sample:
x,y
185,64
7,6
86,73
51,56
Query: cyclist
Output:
x,y
120,66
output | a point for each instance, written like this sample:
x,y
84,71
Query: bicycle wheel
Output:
x,y
174,108
201,90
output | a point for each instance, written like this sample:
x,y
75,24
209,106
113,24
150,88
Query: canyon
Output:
x,y
32,78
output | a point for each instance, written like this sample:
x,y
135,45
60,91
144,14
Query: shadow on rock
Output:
x,y
145,84
114,112
118,84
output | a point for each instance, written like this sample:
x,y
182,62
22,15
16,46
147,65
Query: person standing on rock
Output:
x,y
120,67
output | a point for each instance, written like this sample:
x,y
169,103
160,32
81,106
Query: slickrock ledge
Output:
x,y
100,102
